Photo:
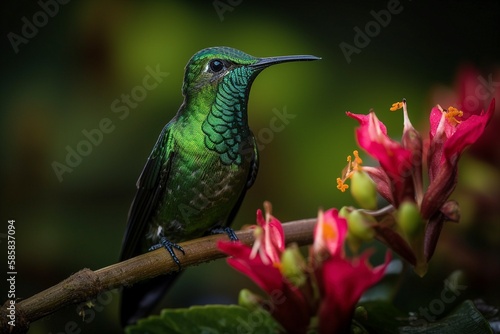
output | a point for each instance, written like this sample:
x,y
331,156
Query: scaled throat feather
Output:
x,y
226,127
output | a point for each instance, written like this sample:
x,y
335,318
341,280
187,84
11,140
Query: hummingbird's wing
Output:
x,y
150,187
254,165
138,300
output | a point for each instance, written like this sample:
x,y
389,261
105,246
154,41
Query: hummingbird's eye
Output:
x,y
216,65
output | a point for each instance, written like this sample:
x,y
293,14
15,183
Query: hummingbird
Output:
x,y
203,162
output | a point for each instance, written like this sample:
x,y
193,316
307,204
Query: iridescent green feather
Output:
x,y
200,168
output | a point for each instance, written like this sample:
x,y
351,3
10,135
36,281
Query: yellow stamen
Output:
x,y
396,106
452,113
357,159
341,185
348,171
329,233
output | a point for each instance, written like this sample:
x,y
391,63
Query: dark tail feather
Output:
x,y
139,300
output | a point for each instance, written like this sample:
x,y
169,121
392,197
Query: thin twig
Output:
x,y
87,284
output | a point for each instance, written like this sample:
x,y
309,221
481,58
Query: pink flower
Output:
x,y
472,93
329,234
341,281
262,264
399,177
451,131
394,178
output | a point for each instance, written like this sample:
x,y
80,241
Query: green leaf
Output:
x,y
383,317
465,318
210,319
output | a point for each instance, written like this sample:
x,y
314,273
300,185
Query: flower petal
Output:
x,y
266,276
394,159
342,284
468,131
329,234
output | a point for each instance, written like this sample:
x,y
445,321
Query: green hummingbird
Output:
x,y
200,168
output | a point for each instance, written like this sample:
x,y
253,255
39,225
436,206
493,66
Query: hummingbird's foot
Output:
x,y
169,246
225,230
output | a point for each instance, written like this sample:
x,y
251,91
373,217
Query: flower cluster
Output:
x,y
418,208
416,176
327,287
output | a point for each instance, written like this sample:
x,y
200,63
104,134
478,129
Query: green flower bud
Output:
x,y
360,225
364,190
344,212
292,265
409,219
360,313
249,300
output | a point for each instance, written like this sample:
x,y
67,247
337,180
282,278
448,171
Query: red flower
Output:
x,y
395,160
451,131
473,91
262,264
341,281
329,234
399,177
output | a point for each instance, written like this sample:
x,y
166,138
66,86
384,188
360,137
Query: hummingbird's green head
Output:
x,y
216,87
208,67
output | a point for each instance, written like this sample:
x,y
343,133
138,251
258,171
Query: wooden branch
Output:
x,y
87,284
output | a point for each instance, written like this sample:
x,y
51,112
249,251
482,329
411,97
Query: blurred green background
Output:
x,y
63,80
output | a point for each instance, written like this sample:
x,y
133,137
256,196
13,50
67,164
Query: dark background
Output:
x,y
64,79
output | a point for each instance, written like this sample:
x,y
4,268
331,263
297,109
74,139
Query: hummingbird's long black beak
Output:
x,y
265,62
